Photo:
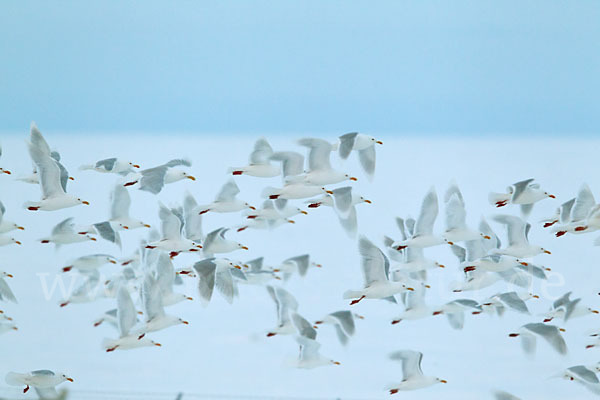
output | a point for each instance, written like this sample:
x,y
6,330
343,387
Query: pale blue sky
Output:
x,y
477,67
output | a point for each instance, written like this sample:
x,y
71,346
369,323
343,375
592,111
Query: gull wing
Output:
x,y
193,220
551,334
519,188
153,179
515,228
224,284
49,172
228,192
301,262
342,198
583,204
120,201
255,264
455,213
107,164
411,363
584,374
319,152
305,328
126,313
151,298
6,293
428,214
373,262
346,144
345,320
513,300
261,153
165,273
292,163
64,227
170,224
178,162
206,270
367,157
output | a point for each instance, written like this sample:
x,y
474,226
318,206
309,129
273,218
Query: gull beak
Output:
x,y
17,242
199,246
276,270
318,266
15,328
318,322
112,261
428,287
379,142
562,329
87,203
443,381
252,207
146,226
411,289
451,243
291,221
158,344
244,247
71,178
7,172
245,266
595,311
329,191
353,179
191,177
547,252
368,201
524,263
237,266
135,166
93,238
441,266
70,379
336,363
185,322
9,275
189,298
486,237
304,212
552,196
20,228
535,296
125,227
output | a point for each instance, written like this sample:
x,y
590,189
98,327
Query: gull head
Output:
x,y
181,321
441,380
365,200
249,206
241,246
550,195
134,165
66,378
350,177
79,201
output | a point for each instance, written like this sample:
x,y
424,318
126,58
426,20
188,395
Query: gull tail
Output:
x,y
352,294
14,379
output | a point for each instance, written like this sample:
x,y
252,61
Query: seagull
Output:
x,y
575,212
524,193
343,199
565,308
64,233
455,311
273,210
516,301
226,201
583,375
343,321
90,262
364,145
562,214
5,293
294,190
154,179
319,168
215,242
343,203
54,196
375,267
299,264
309,356
518,243
111,165
2,170
256,274
156,318
423,233
43,381
259,164
286,304
7,226
126,317
217,272
412,376
171,228
550,333
410,259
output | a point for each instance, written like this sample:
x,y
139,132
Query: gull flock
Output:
x,y
394,269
